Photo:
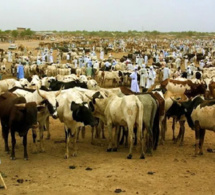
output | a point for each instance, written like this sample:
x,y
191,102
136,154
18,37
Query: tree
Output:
x,y
14,33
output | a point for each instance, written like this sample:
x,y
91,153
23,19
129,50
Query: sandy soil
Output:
x,y
173,168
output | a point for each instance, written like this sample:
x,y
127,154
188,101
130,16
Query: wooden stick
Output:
x,y
3,181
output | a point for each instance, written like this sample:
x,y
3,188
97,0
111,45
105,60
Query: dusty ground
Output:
x,y
175,169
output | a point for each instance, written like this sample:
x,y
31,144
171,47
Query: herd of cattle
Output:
x,y
79,102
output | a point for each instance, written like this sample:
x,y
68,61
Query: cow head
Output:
x,y
49,98
81,113
24,82
35,82
175,110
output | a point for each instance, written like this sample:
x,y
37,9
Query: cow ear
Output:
x,y
91,106
40,108
74,106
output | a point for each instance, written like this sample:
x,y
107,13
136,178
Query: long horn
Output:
x,y
43,96
89,97
58,92
20,105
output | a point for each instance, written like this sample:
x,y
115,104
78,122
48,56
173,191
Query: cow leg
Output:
x,y
202,136
182,131
103,131
115,148
41,139
75,148
83,132
141,142
78,132
47,128
13,139
163,130
34,136
123,134
135,136
126,138
92,135
5,132
197,137
131,132
25,147
67,135
173,128
109,149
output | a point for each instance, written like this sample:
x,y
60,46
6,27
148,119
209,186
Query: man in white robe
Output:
x,y
134,82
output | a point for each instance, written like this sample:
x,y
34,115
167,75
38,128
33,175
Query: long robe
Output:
x,y
134,83
20,72
166,73
143,77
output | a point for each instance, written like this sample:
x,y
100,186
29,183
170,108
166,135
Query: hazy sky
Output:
x,y
120,15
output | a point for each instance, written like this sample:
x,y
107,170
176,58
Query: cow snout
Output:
x,y
94,123
32,84
35,126
54,115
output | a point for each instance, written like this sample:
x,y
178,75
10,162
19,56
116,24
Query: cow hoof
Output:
x,y
142,156
109,150
66,156
115,149
13,158
25,158
48,138
42,151
200,153
129,156
74,154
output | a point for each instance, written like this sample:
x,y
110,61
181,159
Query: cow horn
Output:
x,y
58,92
43,96
89,96
20,105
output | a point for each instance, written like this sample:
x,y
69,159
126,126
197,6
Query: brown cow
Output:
x,y
17,116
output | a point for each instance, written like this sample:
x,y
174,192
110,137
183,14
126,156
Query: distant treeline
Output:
x,y
131,33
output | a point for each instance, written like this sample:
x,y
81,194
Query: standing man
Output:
x,y
189,73
134,82
166,72
146,59
101,55
20,71
143,76
151,77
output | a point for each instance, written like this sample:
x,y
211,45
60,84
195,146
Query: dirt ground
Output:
x,y
172,169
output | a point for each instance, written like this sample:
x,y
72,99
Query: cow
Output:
x,y
202,118
151,119
124,111
56,85
48,100
182,112
74,113
16,116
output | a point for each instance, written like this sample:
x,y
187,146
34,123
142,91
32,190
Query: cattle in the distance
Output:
x,y
16,116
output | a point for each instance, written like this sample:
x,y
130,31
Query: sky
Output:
x,y
109,15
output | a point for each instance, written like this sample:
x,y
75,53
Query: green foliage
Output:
x,y
15,33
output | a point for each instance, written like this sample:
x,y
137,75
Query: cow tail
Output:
x,y
156,129
139,118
